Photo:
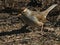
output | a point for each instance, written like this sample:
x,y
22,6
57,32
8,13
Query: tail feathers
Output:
x,y
48,10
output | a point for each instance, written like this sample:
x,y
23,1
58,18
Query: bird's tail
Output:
x,y
48,10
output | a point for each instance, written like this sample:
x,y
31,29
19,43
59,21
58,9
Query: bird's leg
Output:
x,y
40,24
42,28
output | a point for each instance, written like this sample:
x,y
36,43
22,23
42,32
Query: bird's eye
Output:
x,y
22,11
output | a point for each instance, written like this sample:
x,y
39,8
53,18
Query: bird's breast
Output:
x,y
28,20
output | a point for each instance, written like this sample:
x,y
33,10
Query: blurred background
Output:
x,y
13,31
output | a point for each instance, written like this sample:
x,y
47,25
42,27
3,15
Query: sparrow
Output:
x,y
36,17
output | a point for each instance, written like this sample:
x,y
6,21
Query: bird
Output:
x,y
36,17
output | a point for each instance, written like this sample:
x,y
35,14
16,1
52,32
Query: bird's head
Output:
x,y
26,11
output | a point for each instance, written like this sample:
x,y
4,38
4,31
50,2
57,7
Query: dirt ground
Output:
x,y
13,31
